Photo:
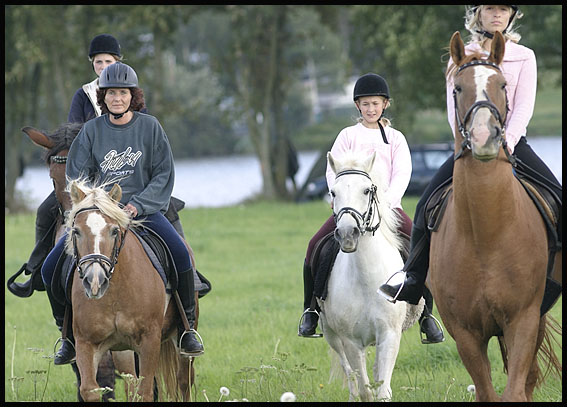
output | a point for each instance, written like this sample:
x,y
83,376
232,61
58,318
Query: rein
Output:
x,y
363,220
466,144
106,263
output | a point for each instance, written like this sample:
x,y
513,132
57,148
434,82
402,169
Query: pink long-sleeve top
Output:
x,y
520,71
394,158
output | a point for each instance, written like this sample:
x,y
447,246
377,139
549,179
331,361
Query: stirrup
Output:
x,y
395,297
192,354
315,335
72,344
424,336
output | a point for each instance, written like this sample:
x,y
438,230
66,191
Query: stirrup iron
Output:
x,y
61,340
395,297
423,336
200,340
315,335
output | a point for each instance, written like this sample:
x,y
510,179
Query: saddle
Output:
x,y
158,253
548,205
323,259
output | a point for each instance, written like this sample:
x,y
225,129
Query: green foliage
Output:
x,y
252,255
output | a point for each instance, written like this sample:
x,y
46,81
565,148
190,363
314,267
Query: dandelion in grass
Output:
x,y
224,391
471,389
288,397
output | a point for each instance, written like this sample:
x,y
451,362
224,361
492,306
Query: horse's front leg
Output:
x,y
87,361
357,360
125,364
387,348
149,354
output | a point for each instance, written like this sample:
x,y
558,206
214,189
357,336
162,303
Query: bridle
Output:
x,y
363,220
106,263
466,144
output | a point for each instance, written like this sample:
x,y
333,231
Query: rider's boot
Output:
x,y
416,267
66,353
310,316
189,345
428,324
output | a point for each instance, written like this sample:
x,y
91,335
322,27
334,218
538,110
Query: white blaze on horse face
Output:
x,y
479,125
96,223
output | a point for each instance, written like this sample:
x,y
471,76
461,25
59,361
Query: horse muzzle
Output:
x,y
95,280
486,142
348,238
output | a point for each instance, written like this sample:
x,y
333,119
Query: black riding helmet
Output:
x,y
118,75
486,33
104,44
371,84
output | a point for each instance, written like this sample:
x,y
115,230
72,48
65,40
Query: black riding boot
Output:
x,y
310,316
190,346
65,354
416,270
428,324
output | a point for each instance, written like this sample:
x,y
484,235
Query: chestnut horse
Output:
x,y
57,146
119,300
489,258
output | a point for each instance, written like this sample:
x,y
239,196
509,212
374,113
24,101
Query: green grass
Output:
x,y
252,255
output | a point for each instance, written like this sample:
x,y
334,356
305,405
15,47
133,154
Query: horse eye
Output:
x,y
114,232
332,193
458,88
76,232
366,191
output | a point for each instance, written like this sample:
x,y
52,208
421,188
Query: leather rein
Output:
x,y
363,220
466,144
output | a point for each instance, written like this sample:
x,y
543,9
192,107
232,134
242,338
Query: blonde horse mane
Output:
x,y
95,195
390,219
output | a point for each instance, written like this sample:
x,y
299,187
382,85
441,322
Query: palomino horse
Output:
x,y
353,316
57,146
489,257
119,301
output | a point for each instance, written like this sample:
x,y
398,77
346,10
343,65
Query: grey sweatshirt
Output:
x,y
137,155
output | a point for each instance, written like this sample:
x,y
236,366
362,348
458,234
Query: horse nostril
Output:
x,y
356,233
337,235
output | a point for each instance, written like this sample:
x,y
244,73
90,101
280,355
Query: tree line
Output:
x,y
225,79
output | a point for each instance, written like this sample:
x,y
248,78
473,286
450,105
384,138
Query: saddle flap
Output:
x,y
437,203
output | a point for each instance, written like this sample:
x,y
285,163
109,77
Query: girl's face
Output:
x,y
371,108
101,61
495,18
118,99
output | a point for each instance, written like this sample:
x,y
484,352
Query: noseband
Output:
x,y
106,263
363,220
475,107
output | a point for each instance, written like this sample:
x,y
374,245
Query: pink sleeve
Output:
x,y
523,103
401,171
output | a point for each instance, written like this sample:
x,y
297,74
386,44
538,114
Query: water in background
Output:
x,y
225,181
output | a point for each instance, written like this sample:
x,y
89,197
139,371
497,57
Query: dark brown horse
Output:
x,y
56,145
488,259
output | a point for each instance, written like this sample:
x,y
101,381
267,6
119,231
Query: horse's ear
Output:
x,y
497,48
331,162
457,48
77,195
38,137
116,192
369,162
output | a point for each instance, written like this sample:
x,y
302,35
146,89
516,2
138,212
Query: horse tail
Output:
x,y
166,374
546,353
413,312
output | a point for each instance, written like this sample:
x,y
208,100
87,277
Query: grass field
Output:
x,y
252,254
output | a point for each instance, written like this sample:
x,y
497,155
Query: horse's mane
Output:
x,y
96,195
475,56
390,218
62,137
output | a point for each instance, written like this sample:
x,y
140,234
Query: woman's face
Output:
x,y
495,18
371,107
118,99
101,61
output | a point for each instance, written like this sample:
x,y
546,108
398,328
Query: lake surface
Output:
x,y
226,181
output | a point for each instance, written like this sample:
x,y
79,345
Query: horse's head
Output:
x,y
354,194
480,98
97,227
57,146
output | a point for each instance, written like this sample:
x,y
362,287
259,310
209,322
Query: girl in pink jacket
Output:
x,y
520,70
372,133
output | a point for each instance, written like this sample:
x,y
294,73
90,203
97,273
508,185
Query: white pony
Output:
x,y
354,316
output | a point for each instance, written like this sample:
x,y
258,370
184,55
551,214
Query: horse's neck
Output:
x,y
371,256
484,193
